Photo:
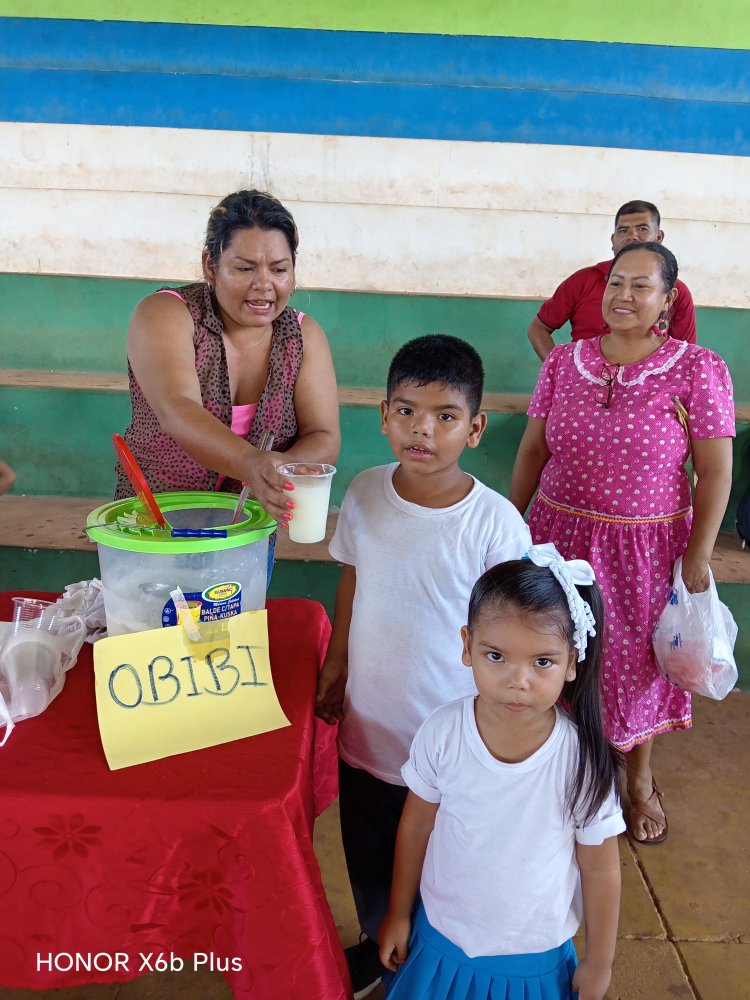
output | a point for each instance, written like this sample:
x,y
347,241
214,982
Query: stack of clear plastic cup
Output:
x,y
42,644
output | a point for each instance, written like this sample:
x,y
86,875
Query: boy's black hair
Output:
x,y
667,261
438,357
522,585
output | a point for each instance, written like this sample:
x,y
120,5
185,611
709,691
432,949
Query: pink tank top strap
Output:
x,y
242,419
170,291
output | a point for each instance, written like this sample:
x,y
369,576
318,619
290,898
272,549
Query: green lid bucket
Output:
x,y
125,524
141,565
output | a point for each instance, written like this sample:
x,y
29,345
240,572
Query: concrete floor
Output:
x,y
684,921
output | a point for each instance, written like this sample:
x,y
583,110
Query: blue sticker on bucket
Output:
x,y
215,603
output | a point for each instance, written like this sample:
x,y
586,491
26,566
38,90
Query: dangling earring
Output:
x,y
661,327
294,289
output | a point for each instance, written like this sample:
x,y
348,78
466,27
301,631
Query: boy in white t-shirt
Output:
x,y
414,537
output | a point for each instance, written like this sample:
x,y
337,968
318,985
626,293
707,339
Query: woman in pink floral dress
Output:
x,y
606,449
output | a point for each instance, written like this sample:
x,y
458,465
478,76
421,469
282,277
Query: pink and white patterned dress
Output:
x,y
615,492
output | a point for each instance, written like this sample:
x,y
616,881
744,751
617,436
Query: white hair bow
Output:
x,y
571,574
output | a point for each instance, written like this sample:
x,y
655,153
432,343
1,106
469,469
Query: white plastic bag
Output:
x,y
87,600
694,640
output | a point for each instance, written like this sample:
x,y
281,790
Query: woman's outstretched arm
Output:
x,y
162,356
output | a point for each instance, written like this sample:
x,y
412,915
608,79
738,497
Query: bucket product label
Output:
x,y
215,603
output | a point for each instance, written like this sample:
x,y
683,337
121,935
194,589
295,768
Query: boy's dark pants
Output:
x,y
370,810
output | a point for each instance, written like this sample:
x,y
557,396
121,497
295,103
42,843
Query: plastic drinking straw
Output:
x,y
183,615
265,444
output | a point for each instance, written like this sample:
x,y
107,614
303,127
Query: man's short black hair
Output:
x,y
438,357
635,208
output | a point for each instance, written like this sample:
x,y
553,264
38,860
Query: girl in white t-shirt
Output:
x,y
509,832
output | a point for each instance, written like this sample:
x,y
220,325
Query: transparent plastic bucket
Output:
x,y
141,565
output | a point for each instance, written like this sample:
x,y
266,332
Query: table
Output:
x,y
203,854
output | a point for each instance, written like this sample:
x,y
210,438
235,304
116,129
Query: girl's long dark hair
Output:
x,y
530,589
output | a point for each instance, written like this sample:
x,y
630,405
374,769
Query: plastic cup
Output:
x,y
29,612
195,610
312,491
31,660
43,643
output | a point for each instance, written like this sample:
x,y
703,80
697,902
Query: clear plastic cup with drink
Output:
x,y
311,495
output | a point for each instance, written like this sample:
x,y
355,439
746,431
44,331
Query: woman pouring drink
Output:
x,y
214,364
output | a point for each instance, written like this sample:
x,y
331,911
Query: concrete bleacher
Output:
x,y
59,523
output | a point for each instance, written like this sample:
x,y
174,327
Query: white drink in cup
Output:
x,y
311,494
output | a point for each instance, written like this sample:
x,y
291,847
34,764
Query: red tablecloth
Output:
x,y
206,853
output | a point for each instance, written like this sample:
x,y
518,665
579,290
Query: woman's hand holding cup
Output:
x,y
268,485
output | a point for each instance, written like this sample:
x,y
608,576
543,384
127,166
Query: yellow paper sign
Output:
x,y
159,694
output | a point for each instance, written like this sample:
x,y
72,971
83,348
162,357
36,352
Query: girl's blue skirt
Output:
x,y
437,970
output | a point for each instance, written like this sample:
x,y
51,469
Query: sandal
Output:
x,y
638,807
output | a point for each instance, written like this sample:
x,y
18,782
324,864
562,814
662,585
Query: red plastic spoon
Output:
x,y
137,480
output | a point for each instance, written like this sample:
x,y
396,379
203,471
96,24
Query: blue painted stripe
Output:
x,y
370,57
324,108
349,83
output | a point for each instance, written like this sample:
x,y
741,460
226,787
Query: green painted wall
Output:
x,y
721,23
736,596
60,441
45,569
80,324
70,324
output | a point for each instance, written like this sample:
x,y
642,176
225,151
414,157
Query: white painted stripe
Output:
x,y
389,215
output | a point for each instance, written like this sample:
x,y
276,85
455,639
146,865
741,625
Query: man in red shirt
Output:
x,y
579,298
